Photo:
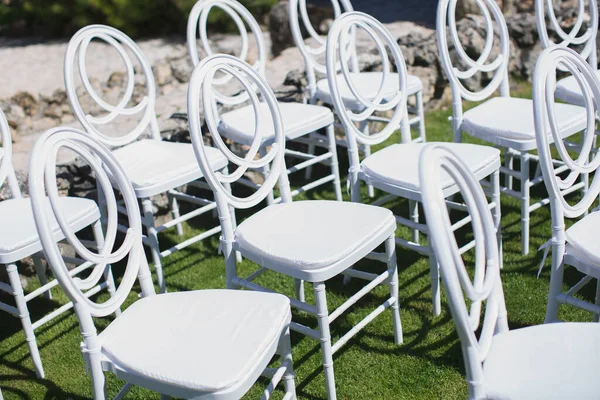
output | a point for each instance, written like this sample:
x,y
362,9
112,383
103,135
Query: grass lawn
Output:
x,y
427,366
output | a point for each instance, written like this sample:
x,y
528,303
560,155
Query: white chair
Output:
x,y
299,120
567,89
576,246
154,166
367,82
506,122
19,239
394,169
205,344
556,361
310,241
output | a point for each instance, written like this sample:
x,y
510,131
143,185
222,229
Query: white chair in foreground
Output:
x,y
567,89
310,241
506,122
578,245
154,166
19,239
204,344
367,82
299,120
556,361
394,169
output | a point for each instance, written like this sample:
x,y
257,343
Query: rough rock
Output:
x,y
27,102
181,68
162,73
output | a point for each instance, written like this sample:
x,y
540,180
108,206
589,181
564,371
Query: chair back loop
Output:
x,y
76,57
560,179
392,89
266,118
45,203
7,173
498,67
244,21
544,10
485,286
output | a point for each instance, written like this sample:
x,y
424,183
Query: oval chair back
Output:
x,y
7,172
486,285
102,124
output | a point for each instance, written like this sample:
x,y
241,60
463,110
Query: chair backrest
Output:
x,y
391,93
130,53
244,21
266,118
586,41
314,55
486,286
45,203
587,157
498,67
7,172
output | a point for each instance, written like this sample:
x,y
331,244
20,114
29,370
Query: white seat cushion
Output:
x,y
512,118
398,164
553,361
582,239
313,234
298,120
154,166
19,236
204,340
367,84
567,89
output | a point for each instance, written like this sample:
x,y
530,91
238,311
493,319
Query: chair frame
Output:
x,y
588,162
14,287
197,23
100,158
486,285
347,24
298,12
200,86
499,67
122,43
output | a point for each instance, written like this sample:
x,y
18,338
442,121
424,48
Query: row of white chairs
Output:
x,y
327,257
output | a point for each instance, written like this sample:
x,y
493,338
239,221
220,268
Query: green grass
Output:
x,y
427,366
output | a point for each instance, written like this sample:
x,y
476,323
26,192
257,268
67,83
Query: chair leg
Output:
x,y
227,186
175,212
15,283
508,163
364,127
434,276
414,216
390,249
556,282
108,275
495,178
525,159
308,170
265,172
596,315
299,289
335,170
421,114
326,352
41,273
285,346
153,239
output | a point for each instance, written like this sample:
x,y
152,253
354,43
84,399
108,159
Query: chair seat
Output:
x,y
203,341
367,84
19,236
154,166
553,361
583,243
312,240
567,89
511,118
397,165
298,120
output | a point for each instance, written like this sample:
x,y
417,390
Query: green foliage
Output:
x,y
135,17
